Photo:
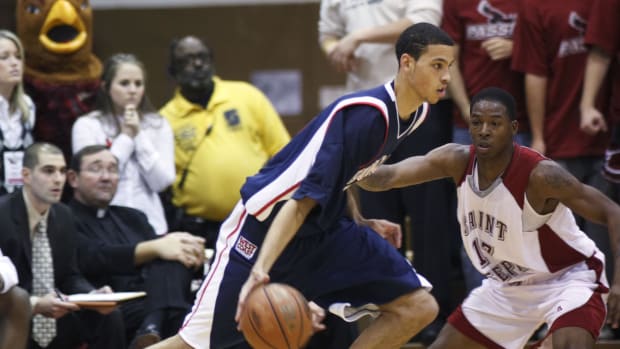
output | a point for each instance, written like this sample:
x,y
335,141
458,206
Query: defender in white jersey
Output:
x,y
514,208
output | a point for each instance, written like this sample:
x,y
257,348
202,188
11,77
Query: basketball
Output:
x,y
276,316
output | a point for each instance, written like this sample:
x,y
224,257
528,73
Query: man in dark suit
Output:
x,y
39,236
118,247
14,308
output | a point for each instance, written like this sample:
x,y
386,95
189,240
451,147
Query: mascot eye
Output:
x,y
84,5
33,9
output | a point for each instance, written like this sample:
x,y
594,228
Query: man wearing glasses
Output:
x,y
224,131
39,237
118,247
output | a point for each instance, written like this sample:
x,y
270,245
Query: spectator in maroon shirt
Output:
x,y
483,32
603,39
549,48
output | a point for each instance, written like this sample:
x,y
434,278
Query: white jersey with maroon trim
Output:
x,y
505,238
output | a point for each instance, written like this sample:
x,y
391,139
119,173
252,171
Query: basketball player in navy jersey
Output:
x,y
514,208
297,225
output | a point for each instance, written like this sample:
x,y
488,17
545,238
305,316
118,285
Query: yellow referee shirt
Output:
x,y
220,145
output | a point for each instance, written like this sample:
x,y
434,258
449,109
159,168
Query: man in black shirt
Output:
x,y
118,247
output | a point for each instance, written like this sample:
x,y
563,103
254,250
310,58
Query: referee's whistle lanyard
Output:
x,y
181,184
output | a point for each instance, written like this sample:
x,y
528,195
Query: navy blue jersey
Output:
x,y
341,145
331,260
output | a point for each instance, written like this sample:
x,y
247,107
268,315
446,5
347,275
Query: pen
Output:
x,y
59,295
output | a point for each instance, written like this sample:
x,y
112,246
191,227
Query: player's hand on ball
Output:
x,y
256,278
388,230
318,315
278,316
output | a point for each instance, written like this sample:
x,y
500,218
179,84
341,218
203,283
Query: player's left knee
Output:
x,y
417,307
572,338
427,306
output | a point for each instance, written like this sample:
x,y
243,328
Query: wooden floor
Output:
x,y
603,344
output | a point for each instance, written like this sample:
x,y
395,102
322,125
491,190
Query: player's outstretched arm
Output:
x,y
449,160
550,183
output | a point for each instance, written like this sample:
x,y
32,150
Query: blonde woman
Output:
x,y
16,112
141,139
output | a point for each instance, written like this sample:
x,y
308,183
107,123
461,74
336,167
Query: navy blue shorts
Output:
x,y
350,264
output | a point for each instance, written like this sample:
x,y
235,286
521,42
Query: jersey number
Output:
x,y
481,248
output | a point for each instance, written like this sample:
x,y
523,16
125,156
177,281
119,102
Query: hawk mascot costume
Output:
x,y
61,74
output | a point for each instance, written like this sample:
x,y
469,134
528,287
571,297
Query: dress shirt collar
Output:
x,y
34,217
91,211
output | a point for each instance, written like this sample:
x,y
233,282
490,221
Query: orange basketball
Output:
x,y
276,316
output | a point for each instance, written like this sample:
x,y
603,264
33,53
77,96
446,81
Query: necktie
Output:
x,y
43,328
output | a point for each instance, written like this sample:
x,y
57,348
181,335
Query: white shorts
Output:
x,y
505,316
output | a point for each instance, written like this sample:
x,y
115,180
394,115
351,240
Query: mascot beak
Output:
x,y
63,31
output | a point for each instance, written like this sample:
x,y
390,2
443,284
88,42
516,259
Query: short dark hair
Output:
x,y
415,39
498,95
172,48
31,154
76,160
